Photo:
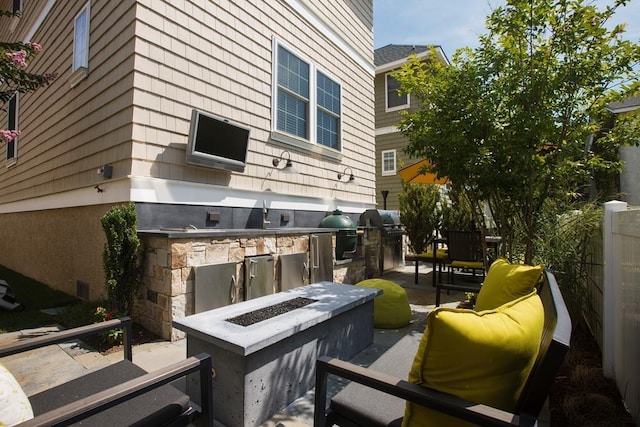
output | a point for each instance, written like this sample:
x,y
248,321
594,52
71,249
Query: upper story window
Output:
x,y
16,6
293,94
307,102
12,124
328,112
395,101
81,24
81,39
388,162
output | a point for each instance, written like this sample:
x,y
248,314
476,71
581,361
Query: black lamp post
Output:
x,y
385,193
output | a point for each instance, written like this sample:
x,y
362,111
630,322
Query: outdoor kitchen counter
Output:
x,y
332,299
181,233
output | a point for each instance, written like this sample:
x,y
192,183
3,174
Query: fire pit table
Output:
x,y
263,366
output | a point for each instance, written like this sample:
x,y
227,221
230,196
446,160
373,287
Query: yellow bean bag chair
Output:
x,y
391,309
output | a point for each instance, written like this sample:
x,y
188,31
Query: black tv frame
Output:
x,y
225,147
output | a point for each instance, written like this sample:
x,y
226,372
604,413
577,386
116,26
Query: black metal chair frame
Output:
x,y
554,345
121,394
465,247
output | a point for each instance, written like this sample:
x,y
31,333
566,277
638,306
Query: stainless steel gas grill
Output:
x,y
391,232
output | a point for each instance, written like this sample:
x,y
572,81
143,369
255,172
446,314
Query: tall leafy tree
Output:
x,y
509,123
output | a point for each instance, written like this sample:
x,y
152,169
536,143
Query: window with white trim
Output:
x,y
12,124
328,125
81,39
388,162
16,8
395,101
307,102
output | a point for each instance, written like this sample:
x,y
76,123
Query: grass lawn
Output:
x,y
35,296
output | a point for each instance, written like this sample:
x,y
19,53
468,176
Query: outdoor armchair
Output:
x,y
376,395
464,251
120,393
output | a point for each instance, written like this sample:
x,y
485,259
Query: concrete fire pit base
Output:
x,y
263,367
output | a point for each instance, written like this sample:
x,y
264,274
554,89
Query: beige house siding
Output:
x,y
351,20
11,29
391,183
150,63
67,133
388,137
384,118
208,58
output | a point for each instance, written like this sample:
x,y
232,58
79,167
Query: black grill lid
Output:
x,y
337,220
379,218
390,217
370,218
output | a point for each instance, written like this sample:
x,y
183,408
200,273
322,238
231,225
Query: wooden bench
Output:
x,y
121,393
379,395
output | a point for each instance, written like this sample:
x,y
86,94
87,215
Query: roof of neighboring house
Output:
x,y
394,52
628,104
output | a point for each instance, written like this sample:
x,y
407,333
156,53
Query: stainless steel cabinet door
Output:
x,y
216,285
321,257
294,270
258,279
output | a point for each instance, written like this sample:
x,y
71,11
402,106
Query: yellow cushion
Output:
x,y
391,309
468,264
441,254
14,405
484,357
506,282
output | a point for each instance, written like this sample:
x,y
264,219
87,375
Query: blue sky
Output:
x,y
453,24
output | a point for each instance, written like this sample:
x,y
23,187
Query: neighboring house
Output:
x,y
113,127
630,175
390,143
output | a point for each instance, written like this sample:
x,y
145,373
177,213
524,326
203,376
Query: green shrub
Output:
x,y
570,245
420,214
457,213
120,258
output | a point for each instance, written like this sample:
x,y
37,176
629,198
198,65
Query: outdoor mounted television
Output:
x,y
217,142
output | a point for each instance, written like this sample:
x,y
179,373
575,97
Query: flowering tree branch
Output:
x,y
14,59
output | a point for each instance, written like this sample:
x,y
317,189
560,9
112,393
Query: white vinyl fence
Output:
x,y
621,302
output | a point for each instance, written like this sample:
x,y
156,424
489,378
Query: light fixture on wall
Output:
x,y
106,171
288,168
351,179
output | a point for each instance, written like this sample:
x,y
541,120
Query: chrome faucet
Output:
x,y
265,211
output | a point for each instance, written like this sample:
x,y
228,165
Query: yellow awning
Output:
x,y
411,174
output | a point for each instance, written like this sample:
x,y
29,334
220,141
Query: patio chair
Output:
x,y
436,255
465,252
120,393
376,395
